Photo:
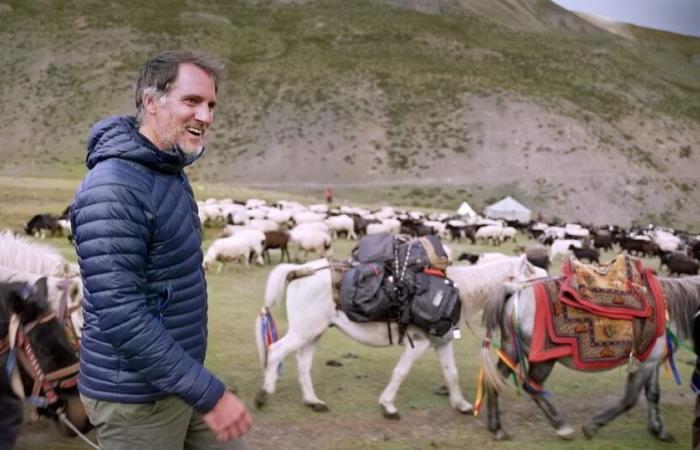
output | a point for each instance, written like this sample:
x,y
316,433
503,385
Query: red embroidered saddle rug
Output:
x,y
598,315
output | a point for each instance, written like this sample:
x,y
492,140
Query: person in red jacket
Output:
x,y
328,194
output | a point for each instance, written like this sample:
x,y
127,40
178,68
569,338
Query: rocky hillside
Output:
x,y
441,100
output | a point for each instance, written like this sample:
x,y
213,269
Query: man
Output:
x,y
138,240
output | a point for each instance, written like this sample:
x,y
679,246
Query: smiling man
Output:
x,y
138,240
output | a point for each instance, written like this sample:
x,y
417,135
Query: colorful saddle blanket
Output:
x,y
598,315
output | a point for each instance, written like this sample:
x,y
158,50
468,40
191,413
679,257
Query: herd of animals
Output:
x,y
249,230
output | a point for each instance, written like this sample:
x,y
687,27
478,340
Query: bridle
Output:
x,y
20,350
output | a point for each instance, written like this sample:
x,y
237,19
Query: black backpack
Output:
x,y
436,306
366,293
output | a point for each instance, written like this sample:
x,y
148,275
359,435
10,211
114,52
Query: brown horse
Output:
x,y
36,361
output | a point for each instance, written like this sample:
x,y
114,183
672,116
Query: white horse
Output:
x,y
23,260
682,302
27,256
311,310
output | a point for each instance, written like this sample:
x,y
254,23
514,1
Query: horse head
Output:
x,y
526,271
46,363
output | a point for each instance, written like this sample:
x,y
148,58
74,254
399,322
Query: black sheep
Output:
x,y
591,254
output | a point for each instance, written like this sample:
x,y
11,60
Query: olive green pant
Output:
x,y
166,424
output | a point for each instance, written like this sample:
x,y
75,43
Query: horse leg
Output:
x,y
305,357
654,422
279,350
446,355
635,382
493,412
403,367
538,373
492,408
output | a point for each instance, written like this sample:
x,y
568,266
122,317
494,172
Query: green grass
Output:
x,y
351,391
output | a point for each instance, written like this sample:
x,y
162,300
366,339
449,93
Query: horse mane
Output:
x,y
682,302
480,283
27,256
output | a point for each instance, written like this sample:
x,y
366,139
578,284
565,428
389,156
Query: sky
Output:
x,y
679,16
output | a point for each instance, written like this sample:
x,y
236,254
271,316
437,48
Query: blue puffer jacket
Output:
x,y
138,240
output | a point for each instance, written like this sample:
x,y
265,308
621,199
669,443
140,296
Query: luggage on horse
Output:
x,y
435,307
366,294
396,278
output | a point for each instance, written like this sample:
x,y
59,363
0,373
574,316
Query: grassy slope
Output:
x,y
352,390
334,91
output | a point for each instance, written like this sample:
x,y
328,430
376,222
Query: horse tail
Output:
x,y
276,285
493,317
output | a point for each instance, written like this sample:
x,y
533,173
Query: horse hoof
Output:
x,y
665,436
501,435
590,431
442,390
318,407
392,416
566,432
260,399
465,408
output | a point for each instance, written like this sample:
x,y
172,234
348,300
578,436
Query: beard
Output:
x,y
175,136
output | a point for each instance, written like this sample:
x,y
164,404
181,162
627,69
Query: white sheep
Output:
x,y
374,228
307,216
237,247
342,223
310,240
560,247
489,233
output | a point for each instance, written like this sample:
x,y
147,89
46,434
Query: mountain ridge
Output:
x,y
483,98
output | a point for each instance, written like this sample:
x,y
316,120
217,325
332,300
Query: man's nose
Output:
x,y
204,114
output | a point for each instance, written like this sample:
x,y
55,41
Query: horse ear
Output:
x,y
41,289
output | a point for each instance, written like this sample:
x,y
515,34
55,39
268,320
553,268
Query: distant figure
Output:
x,y
328,193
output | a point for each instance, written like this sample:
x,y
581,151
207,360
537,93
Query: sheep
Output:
x,y
581,253
263,225
310,240
239,246
276,239
373,228
307,216
438,228
679,263
560,247
279,216
342,223
536,255
490,233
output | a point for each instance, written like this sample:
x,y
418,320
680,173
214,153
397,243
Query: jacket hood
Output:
x,y
118,137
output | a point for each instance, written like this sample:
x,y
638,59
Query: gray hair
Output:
x,y
160,72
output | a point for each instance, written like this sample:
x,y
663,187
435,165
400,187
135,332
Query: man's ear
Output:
x,y
149,103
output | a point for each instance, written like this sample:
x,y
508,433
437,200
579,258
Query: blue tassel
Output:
x,y
671,362
11,362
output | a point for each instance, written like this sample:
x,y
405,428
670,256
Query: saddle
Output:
x,y
599,315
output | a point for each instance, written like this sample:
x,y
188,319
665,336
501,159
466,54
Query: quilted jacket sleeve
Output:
x,y
111,223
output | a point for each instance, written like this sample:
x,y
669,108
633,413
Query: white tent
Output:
x,y
466,211
508,209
